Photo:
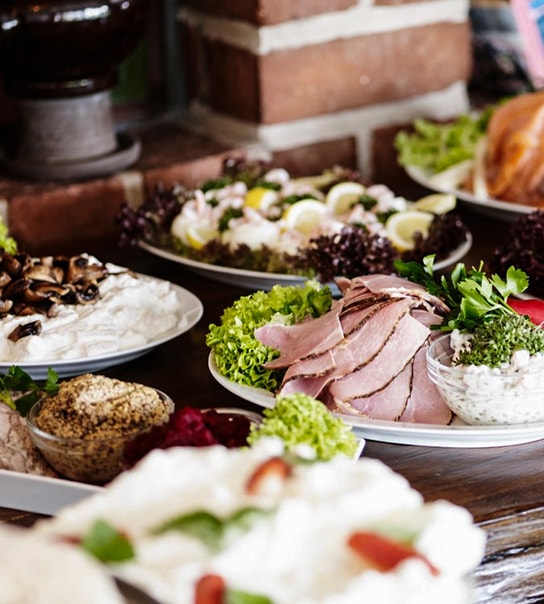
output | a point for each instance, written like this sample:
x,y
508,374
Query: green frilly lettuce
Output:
x,y
239,356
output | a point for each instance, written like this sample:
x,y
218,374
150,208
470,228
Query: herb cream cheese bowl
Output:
x,y
83,438
481,395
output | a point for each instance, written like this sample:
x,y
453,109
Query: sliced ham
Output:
x,y
301,340
393,357
425,404
356,350
398,286
387,404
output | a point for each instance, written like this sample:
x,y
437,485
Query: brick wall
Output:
x,y
326,80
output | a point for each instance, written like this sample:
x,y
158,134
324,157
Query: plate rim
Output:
x,y
422,177
271,278
189,319
403,432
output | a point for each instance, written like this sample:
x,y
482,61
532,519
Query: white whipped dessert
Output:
x,y
132,310
297,550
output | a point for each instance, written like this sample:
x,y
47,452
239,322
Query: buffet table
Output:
x,y
501,486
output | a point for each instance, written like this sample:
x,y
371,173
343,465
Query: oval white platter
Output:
x,y
505,211
191,312
256,280
457,434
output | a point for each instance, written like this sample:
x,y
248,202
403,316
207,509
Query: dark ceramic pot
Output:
x,y
66,48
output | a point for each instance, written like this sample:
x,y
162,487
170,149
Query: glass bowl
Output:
x,y
91,460
480,395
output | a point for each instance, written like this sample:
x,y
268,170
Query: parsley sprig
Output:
x,y
20,391
472,297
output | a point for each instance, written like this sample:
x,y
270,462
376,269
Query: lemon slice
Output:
x,y
342,196
437,203
452,177
402,226
198,235
261,198
304,215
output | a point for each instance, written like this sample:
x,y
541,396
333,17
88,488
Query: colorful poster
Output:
x,y
529,16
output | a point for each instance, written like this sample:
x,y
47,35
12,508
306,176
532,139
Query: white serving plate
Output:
x,y
192,310
458,434
40,494
256,280
505,211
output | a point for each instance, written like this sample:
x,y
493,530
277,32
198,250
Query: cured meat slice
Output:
x,y
17,453
314,366
387,404
359,348
398,286
393,357
425,404
301,340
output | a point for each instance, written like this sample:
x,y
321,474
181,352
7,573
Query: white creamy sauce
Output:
x,y
298,553
510,393
131,312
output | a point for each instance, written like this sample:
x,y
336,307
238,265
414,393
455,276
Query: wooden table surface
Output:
x,y
501,486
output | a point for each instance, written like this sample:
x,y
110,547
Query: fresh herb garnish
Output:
x,y
493,343
215,532
16,380
107,544
236,596
472,296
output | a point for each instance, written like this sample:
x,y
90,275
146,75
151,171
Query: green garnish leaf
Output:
x,y
299,419
215,532
107,544
473,297
438,146
7,242
235,596
16,380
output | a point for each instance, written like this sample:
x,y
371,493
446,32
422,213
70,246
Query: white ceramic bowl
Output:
x,y
482,396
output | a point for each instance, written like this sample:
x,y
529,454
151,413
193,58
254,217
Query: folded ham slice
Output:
x,y
366,356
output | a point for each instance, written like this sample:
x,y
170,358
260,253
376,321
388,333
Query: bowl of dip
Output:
x,y
83,429
512,393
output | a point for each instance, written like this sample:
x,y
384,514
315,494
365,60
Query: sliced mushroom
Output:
x,y
81,269
33,328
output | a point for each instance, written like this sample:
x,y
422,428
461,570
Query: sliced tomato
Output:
x,y
384,553
210,589
532,307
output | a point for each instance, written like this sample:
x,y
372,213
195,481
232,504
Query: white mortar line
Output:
x,y
362,19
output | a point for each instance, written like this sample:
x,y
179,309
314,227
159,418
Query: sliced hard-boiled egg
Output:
x,y
343,196
253,234
401,227
304,215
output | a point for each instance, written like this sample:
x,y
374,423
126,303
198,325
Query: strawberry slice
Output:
x,y
384,553
210,589
532,307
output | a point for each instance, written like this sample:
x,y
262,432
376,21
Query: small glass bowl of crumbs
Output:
x,y
82,430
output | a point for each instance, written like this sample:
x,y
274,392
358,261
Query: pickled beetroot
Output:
x,y
189,427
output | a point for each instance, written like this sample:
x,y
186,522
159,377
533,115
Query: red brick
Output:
x,y
46,221
269,12
336,76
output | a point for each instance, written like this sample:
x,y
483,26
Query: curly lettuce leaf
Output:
x,y
438,146
299,419
239,356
